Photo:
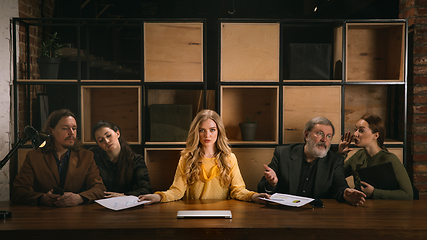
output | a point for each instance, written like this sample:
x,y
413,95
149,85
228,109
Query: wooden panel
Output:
x,y
250,164
376,219
397,151
250,52
86,115
161,164
362,99
173,52
337,66
257,103
302,103
375,52
119,104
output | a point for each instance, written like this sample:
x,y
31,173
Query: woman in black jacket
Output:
x,y
123,171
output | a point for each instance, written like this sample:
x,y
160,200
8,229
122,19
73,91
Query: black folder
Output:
x,y
380,176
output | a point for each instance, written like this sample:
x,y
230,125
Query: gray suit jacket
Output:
x,y
287,161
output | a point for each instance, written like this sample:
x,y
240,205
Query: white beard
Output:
x,y
312,149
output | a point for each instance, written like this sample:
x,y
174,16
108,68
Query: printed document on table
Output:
x,y
288,200
119,203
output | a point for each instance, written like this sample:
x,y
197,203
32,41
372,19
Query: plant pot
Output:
x,y
248,131
49,67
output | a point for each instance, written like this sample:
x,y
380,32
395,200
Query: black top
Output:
x,y
140,183
62,165
307,177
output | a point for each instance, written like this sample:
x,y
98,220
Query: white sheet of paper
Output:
x,y
288,200
119,203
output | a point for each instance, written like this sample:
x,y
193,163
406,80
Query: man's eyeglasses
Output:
x,y
322,135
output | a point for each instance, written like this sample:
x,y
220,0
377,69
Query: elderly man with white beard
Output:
x,y
309,169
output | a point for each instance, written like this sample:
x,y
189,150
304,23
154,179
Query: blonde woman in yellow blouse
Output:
x,y
207,168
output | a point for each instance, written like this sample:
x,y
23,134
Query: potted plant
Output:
x,y
248,129
49,60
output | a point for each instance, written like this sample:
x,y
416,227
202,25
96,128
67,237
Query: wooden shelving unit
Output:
x,y
119,69
336,69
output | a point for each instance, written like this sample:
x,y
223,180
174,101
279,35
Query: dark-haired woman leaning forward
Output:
x,y
123,171
369,134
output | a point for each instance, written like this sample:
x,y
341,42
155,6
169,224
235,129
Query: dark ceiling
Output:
x,y
212,9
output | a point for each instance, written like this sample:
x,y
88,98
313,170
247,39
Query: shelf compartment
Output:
x,y
29,52
375,52
302,103
175,99
43,99
251,162
162,164
250,52
258,102
312,52
382,100
337,54
111,51
118,104
173,52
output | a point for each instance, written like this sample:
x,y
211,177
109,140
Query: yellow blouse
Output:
x,y
208,186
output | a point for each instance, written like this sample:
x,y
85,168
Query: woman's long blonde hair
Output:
x,y
193,155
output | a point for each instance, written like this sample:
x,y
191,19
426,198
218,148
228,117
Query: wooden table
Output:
x,y
376,219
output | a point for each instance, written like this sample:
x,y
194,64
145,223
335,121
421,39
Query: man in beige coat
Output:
x,y
63,163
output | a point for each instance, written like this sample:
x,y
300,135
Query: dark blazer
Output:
x,y
287,161
140,183
39,174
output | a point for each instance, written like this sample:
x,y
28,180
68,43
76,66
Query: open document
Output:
x,y
288,200
119,203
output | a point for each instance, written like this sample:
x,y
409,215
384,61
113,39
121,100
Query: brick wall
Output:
x,y
28,94
416,13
